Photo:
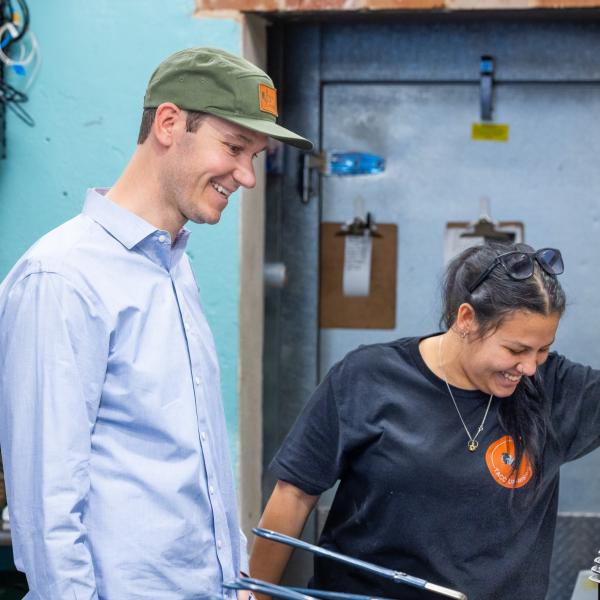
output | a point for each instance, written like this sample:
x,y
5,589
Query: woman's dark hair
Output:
x,y
192,122
526,415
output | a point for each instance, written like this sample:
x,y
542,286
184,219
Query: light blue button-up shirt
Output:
x,y
111,423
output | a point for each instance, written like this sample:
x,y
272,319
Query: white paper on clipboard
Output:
x,y
454,244
357,265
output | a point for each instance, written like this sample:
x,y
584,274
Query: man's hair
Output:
x,y
192,122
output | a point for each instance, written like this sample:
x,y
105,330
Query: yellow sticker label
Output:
x,y
267,97
489,132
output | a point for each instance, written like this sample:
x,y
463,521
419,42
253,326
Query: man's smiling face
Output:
x,y
208,165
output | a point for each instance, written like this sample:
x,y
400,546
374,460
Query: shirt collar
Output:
x,y
122,224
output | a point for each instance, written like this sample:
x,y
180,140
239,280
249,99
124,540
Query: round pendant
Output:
x,y
472,445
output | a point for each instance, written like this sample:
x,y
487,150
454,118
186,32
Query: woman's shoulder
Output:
x,y
374,360
558,365
562,376
574,392
394,350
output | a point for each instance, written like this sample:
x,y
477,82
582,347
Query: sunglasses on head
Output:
x,y
519,265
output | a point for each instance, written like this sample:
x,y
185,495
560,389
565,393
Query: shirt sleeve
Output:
x,y
244,566
575,393
53,354
311,455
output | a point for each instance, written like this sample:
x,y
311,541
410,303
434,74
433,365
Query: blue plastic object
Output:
x,y
355,163
486,66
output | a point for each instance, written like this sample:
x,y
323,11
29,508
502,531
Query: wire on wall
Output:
x,y
20,59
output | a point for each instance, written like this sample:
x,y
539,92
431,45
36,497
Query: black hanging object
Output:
x,y
486,87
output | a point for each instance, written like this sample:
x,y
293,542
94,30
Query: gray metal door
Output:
x,y
409,91
547,176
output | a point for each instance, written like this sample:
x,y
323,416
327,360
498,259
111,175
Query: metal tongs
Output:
x,y
270,589
396,576
291,593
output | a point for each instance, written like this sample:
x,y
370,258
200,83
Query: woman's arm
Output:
x,y
286,512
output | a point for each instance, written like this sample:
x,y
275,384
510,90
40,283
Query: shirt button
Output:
x,y
162,238
219,545
211,489
197,380
203,436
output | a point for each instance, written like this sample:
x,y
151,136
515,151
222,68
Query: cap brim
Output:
x,y
272,130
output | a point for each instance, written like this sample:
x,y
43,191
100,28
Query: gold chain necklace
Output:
x,y
472,444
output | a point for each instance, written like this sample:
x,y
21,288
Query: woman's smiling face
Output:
x,y
495,362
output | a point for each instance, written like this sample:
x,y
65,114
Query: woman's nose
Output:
x,y
527,367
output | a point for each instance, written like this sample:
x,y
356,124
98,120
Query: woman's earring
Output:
x,y
464,333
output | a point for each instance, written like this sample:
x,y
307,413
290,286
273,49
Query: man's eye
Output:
x,y
234,149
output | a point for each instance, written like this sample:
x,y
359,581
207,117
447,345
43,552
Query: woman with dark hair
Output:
x,y
447,447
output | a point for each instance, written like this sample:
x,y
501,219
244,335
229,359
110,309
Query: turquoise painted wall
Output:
x,y
97,57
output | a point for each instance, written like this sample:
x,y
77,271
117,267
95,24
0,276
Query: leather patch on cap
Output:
x,y
267,97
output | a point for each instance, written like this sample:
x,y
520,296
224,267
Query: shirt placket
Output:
x,y
196,352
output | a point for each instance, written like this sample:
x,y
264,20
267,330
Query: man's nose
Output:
x,y
244,175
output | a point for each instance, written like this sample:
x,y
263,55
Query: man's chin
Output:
x,y
209,219
213,220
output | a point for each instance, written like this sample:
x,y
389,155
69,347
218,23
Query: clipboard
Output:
x,y
378,309
455,242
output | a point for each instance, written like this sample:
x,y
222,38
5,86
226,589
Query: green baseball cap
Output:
x,y
216,82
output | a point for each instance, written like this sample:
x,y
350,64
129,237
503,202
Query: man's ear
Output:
x,y
166,121
466,321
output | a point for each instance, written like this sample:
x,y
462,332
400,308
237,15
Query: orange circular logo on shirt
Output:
x,y
500,457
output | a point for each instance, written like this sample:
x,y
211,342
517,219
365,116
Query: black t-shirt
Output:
x,y
411,496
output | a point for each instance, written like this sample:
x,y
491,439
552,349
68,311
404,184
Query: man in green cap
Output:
x,y
111,422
